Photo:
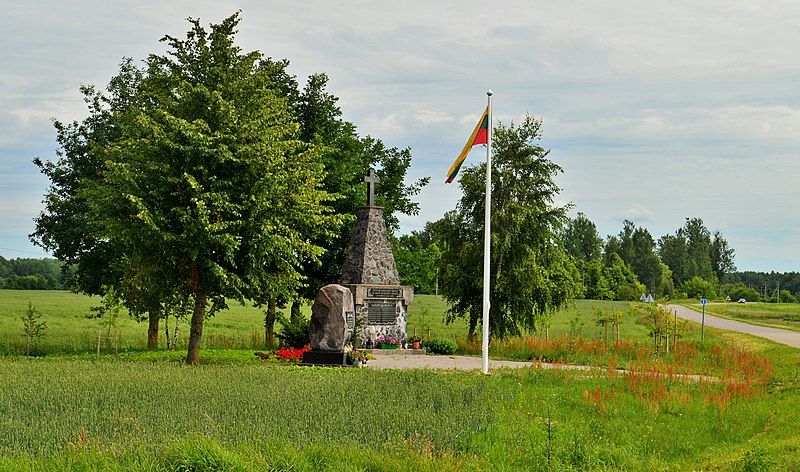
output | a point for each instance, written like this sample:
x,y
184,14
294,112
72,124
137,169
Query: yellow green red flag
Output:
x,y
480,135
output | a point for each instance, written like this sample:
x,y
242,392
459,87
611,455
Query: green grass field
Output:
x,y
71,330
779,315
65,410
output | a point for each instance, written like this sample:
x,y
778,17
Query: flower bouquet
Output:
x,y
386,342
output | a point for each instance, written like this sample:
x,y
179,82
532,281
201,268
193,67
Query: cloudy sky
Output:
x,y
657,111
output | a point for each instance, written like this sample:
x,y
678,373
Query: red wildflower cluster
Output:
x,y
291,353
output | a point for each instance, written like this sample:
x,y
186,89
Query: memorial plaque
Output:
x,y
381,312
379,292
350,318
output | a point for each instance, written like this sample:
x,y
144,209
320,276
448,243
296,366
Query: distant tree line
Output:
x,y
417,256
31,274
691,262
763,286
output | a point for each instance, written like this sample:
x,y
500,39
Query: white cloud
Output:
x,y
639,214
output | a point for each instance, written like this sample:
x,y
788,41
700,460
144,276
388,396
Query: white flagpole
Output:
x,y
487,235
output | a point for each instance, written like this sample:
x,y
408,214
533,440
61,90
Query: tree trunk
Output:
x,y
152,331
295,312
196,330
175,334
269,323
166,330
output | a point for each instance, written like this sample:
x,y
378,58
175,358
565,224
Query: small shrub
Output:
x,y
441,346
576,326
697,287
294,332
33,327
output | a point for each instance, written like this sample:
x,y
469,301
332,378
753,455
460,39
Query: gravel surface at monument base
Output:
x,y
438,362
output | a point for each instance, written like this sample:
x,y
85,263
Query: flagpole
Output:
x,y
487,232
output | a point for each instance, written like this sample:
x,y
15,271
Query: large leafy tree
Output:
x,y
209,177
645,264
672,251
698,249
100,262
621,279
531,273
93,261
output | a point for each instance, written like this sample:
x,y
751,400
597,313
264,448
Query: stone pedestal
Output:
x,y
382,310
325,358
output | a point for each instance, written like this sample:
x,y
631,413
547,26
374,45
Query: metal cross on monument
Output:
x,y
371,179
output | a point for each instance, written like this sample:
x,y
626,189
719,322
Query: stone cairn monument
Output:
x,y
369,271
377,303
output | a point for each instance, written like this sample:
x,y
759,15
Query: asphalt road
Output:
x,y
783,336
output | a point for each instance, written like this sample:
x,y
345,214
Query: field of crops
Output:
x,y
57,409
64,410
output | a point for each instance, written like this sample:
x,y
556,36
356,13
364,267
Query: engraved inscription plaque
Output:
x,y
381,312
380,292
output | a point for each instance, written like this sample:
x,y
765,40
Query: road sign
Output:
x,y
703,301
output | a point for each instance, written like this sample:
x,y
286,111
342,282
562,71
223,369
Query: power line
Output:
x,y
20,250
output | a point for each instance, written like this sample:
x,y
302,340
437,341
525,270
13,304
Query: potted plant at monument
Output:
x,y
358,357
387,342
415,342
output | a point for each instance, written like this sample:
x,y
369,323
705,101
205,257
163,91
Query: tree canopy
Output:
x,y
210,173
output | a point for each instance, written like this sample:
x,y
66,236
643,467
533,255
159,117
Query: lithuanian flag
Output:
x,y
480,135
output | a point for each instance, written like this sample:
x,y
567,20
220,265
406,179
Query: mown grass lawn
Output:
x,y
72,330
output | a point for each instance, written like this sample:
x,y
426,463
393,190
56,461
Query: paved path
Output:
x,y
783,336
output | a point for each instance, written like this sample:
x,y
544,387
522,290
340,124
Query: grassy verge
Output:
x,y
774,315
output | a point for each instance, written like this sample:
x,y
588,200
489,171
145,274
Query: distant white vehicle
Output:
x,y
742,300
